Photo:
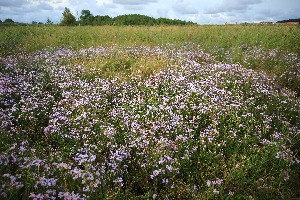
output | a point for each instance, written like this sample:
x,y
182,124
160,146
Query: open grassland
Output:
x,y
282,37
200,112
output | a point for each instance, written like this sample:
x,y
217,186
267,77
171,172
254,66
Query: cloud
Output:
x,y
230,6
104,9
34,7
27,11
74,2
184,7
171,15
133,7
201,11
109,5
230,14
44,6
12,3
162,12
134,2
215,15
282,14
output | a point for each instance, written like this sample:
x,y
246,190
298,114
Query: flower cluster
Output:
x,y
65,128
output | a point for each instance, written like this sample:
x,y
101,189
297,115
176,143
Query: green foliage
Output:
x,y
134,19
49,21
289,20
68,18
87,18
101,20
8,20
166,21
85,14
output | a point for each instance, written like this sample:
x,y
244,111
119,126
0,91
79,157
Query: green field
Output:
x,y
160,112
282,37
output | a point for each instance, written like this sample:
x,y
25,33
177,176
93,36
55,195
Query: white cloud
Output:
x,y
134,2
200,11
74,2
133,7
230,6
13,3
184,7
171,15
44,6
162,12
109,5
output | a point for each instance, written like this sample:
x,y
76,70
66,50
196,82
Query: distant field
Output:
x,y
282,37
191,112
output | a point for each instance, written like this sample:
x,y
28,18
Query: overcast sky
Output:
x,y
199,11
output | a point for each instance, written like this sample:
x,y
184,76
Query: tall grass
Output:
x,y
30,38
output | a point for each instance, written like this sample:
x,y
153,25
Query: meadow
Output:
x,y
137,112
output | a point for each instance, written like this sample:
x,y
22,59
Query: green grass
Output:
x,y
32,38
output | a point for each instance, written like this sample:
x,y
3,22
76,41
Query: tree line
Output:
x,y
289,20
87,18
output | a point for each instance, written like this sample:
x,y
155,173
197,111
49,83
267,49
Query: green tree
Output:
x,y
289,20
8,20
85,14
102,20
68,18
49,21
86,18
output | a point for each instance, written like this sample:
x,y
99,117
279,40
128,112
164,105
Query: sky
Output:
x,y
199,11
